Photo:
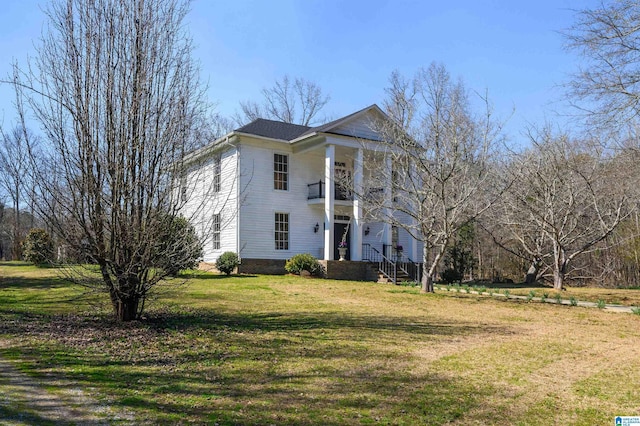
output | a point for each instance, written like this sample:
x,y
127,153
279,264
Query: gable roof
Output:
x,y
290,132
328,127
273,129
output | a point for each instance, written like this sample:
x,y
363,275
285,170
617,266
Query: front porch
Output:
x,y
337,194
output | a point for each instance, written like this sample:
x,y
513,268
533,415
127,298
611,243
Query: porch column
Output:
x,y
388,200
329,191
356,222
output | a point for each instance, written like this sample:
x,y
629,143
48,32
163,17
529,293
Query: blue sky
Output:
x,y
511,48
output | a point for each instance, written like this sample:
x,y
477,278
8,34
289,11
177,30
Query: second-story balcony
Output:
x,y
317,191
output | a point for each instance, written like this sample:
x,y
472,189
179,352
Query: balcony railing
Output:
x,y
318,189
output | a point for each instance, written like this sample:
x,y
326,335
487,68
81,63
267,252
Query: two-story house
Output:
x,y
270,190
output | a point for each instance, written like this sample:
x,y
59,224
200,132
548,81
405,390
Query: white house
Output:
x,y
270,190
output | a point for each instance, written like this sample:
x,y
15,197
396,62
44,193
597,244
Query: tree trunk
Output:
x,y
427,283
559,268
126,309
428,275
427,272
125,304
532,273
17,240
558,279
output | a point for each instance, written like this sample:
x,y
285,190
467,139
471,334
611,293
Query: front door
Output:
x,y
338,231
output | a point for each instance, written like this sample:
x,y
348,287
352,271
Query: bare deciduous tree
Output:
x,y
441,175
567,198
14,165
296,101
607,86
118,97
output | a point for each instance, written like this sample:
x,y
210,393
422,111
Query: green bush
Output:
x,y
227,262
303,262
38,247
179,246
451,275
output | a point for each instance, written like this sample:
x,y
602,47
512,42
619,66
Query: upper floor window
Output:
x,y
281,171
217,172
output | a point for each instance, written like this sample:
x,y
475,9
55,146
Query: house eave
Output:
x,y
226,140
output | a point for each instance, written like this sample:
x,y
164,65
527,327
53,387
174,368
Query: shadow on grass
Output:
x,y
262,368
13,263
34,283
17,416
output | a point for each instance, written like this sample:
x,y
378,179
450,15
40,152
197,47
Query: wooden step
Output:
x,y
400,278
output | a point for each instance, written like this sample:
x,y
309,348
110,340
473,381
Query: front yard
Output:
x,y
290,350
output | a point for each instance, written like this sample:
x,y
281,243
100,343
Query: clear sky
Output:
x,y
511,48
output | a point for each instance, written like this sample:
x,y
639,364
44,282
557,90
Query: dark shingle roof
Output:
x,y
288,132
273,129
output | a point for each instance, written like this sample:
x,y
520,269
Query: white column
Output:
x,y
329,191
356,221
388,199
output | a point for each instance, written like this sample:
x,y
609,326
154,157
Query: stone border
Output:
x,y
607,307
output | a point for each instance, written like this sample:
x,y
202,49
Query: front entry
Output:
x,y
338,231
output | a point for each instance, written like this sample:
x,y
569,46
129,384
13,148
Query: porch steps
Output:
x,y
383,279
379,277
400,278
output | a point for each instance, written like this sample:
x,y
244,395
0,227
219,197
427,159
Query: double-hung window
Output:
x,y
281,172
282,231
217,172
215,227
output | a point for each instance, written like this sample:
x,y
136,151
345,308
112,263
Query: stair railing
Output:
x,y
410,268
390,268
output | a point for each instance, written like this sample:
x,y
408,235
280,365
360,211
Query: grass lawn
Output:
x,y
288,350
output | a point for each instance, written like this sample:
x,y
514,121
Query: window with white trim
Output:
x,y
281,172
282,231
217,172
215,227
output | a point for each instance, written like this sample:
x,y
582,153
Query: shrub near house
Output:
x,y
227,262
303,262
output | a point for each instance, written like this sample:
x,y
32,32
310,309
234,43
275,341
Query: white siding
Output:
x,y
360,127
203,202
376,235
261,202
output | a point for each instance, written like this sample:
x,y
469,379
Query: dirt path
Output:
x,y
27,401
